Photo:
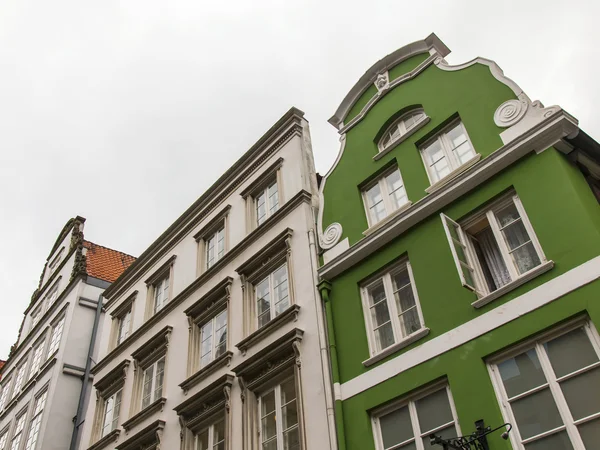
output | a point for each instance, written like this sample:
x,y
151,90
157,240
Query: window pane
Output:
x,y
375,204
583,393
446,433
280,283
521,373
202,440
218,432
436,161
410,322
290,415
269,428
380,314
384,336
405,298
148,375
460,144
273,198
590,433
271,445
570,352
396,189
263,300
433,411
396,427
507,215
288,391
526,258
261,209
291,439
558,441
536,414
376,292
160,375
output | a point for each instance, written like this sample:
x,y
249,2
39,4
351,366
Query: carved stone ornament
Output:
x,y
510,112
382,81
227,394
331,236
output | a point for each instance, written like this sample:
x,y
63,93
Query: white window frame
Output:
x,y
153,385
472,264
34,425
5,392
400,125
387,202
15,442
569,424
211,435
20,378
453,162
57,331
268,206
272,306
54,263
279,413
124,325
392,307
36,315
159,287
110,416
410,401
213,346
36,360
214,237
3,440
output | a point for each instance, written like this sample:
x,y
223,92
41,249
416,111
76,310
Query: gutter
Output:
x,y
79,419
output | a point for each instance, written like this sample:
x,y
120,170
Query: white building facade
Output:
x,y
214,338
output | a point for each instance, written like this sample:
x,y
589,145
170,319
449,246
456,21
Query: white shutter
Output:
x,y
456,239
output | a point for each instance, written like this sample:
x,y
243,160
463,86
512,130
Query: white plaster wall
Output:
x,y
296,173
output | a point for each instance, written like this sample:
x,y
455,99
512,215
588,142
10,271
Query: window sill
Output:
x,y
113,436
527,276
288,315
152,408
441,183
387,219
397,346
221,361
412,131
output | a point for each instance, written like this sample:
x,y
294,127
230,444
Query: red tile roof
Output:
x,y
1,366
105,263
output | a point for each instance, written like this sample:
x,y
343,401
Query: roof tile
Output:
x,y
105,263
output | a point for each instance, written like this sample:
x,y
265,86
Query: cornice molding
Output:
x,y
111,437
146,438
152,408
289,315
220,362
201,404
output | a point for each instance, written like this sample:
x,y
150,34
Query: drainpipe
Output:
x,y
78,421
323,344
325,289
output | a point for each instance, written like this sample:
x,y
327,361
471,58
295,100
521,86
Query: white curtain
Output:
x,y
493,258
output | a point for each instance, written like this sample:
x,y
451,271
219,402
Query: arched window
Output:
x,y
401,127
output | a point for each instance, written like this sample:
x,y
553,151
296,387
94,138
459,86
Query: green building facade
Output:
x,y
461,260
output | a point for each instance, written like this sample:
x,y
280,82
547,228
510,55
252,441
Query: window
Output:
x,y
153,382
20,378
110,415
447,152
211,438
161,293
215,247
409,425
124,326
391,308
400,128
52,296
266,202
279,418
213,335
494,247
3,440
272,295
34,427
54,264
551,390
385,196
36,315
16,440
4,395
56,336
37,359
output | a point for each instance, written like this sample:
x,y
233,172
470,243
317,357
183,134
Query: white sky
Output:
x,y
124,112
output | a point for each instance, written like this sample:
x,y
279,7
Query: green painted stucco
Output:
x,y
472,92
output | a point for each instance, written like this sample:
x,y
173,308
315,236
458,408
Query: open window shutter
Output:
x,y
456,239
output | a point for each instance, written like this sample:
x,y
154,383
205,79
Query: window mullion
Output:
x,y
448,151
413,286
414,418
502,244
529,228
385,195
271,297
391,302
559,398
279,413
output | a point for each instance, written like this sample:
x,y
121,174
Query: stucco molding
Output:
x,y
152,408
149,437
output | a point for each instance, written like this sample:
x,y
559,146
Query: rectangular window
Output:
x,y
37,359
266,202
447,152
272,295
110,416
124,324
385,196
36,315
16,440
212,437
550,391
215,247
279,418
34,427
4,394
161,293
153,382
3,440
213,336
391,307
409,425
19,380
56,336
494,247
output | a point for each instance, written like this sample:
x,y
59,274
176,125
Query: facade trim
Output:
x,y
512,310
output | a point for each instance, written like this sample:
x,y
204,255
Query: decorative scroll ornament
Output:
x,y
382,81
331,236
510,112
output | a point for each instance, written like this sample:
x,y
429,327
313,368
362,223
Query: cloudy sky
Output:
x,y
124,112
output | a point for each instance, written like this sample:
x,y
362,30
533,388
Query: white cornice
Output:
x,y
543,135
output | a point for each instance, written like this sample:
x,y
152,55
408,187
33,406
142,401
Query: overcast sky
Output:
x,y
124,112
